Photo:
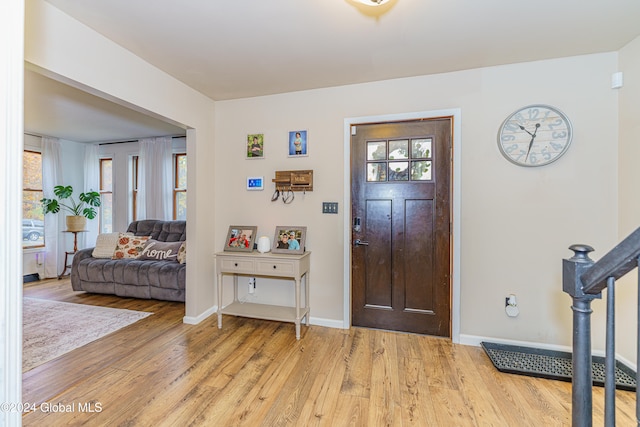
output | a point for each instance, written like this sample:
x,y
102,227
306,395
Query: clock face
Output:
x,y
535,135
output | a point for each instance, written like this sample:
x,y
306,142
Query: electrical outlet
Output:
x,y
252,285
329,207
511,306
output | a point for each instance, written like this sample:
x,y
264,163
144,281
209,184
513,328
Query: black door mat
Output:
x,y
554,365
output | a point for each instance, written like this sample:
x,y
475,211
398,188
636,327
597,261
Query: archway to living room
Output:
x,y
80,116
161,309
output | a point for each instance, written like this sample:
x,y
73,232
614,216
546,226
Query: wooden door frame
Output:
x,y
455,114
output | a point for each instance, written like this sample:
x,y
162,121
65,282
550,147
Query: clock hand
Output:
x,y
524,129
533,136
536,131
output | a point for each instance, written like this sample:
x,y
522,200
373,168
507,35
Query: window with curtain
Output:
x,y
32,213
180,186
106,195
179,190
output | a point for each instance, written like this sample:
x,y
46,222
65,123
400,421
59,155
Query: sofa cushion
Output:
x,y
156,250
129,246
164,231
105,245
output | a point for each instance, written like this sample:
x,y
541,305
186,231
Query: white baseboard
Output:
x,y
475,340
329,323
190,320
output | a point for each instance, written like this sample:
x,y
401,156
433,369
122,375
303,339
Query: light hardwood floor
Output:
x,y
161,372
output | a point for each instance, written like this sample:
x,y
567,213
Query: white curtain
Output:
x,y
91,183
52,176
154,188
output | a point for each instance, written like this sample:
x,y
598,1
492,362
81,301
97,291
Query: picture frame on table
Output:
x,y
240,238
289,239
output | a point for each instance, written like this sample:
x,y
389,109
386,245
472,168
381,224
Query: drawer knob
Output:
x,y
235,264
274,267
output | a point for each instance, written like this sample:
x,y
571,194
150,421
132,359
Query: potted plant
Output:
x,y
80,211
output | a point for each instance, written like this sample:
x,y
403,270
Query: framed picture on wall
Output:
x,y
289,239
240,238
298,143
255,146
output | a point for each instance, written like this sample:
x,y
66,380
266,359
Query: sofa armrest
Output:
x,y
77,257
82,254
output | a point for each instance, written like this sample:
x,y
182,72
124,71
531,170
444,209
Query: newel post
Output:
x,y
581,396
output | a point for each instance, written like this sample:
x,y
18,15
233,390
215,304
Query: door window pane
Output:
x,y
421,148
376,172
398,171
421,170
377,150
399,149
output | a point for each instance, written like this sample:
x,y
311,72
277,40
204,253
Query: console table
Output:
x,y
268,265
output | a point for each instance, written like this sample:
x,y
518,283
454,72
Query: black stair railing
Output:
x,y
583,279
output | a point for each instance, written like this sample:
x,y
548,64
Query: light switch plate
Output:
x,y
329,207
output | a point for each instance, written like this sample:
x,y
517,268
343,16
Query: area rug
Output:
x,y
555,365
53,328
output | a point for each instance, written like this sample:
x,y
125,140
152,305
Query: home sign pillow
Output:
x,y
129,246
158,251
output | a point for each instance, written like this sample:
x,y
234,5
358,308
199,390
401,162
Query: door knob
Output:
x,y
359,242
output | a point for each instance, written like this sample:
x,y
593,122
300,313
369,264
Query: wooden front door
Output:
x,y
400,179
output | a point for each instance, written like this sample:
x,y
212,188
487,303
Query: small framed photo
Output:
x,y
289,239
255,146
240,238
298,143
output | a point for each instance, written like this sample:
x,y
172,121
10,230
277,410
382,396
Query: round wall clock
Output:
x,y
535,135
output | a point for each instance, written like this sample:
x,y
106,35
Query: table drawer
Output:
x,y
275,268
237,265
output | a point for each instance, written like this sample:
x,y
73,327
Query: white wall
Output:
x,y
629,197
516,223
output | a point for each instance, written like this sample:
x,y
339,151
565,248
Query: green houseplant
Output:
x,y
80,210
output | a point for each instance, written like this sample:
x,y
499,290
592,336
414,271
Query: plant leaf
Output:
x,y
62,192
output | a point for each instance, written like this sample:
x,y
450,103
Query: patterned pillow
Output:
x,y
105,245
182,253
129,246
157,251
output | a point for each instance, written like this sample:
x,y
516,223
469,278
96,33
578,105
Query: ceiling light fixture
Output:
x,y
373,2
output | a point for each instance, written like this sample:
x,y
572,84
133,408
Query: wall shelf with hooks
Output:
x,y
298,180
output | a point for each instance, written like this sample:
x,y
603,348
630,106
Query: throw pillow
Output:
x,y
156,250
182,253
129,246
105,245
